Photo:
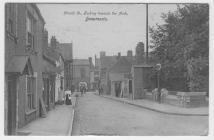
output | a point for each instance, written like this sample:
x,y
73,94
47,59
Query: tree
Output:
x,y
181,45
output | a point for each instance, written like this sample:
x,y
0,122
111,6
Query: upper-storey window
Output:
x,y
11,19
30,31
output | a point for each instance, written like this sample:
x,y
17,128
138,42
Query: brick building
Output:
x,y
106,62
24,28
53,74
120,78
82,72
66,50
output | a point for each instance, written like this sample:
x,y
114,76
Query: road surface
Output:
x,y
95,115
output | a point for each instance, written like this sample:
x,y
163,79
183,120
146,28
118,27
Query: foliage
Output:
x,y
181,45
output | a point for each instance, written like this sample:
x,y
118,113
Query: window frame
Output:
x,y
30,31
11,20
30,93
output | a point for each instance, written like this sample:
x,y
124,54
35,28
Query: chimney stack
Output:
x,y
129,53
90,61
119,54
102,54
53,42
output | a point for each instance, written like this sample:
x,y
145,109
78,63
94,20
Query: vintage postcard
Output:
x,y
106,69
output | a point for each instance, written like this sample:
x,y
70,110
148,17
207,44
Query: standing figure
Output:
x,y
81,90
68,99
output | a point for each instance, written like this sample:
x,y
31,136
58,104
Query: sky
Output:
x,y
113,33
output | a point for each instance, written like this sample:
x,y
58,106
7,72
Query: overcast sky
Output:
x,y
117,34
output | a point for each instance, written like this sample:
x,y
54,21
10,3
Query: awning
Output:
x,y
19,64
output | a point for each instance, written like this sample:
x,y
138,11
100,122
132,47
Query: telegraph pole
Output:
x,y
147,45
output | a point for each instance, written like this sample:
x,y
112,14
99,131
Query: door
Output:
x,y
11,105
130,86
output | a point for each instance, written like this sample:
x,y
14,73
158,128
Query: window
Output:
x,y
11,10
30,31
61,83
30,93
10,26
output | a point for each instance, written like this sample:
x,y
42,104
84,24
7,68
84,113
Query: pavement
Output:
x,y
162,108
58,122
95,115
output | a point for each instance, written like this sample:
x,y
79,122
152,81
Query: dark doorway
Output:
x,y
117,88
130,86
11,105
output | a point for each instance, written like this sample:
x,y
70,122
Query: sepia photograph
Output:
x,y
106,69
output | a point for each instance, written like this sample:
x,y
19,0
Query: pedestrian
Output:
x,y
68,99
164,93
81,90
117,90
101,90
84,89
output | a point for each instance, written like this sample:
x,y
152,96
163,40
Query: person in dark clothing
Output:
x,y
99,90
117,90
68,100
84,89
81,90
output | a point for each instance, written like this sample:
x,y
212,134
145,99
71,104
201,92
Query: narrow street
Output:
x,y
96,115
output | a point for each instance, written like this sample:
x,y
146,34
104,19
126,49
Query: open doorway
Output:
x,y
12,105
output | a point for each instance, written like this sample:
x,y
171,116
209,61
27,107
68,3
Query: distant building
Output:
x,y
82,72
53,75
106,62
123,73
92,82
66,49
120,78
97,73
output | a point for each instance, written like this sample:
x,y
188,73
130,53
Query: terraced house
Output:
x,y
24,28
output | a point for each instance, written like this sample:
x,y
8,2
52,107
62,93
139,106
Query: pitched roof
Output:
x,y
66,50
18,64
51,54
81,62
38,12
122,66
108,61
49,67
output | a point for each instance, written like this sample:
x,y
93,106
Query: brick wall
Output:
x,y
35,57
77,74
141,80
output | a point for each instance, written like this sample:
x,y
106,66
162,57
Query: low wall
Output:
x,y
176,101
